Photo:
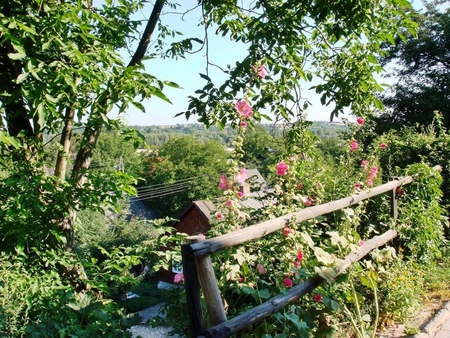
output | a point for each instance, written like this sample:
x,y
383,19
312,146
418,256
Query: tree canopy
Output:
x,y
181,171
63,68
421,66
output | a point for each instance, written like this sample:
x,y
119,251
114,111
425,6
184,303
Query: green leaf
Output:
x,y
21,77
138,105
206,77
9,140
264,294
158,93
248,290
366,282
26,28
171,84
16,56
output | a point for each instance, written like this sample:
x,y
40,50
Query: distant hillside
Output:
x,y
159,135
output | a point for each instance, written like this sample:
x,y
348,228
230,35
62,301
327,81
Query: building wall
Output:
x,y
193,222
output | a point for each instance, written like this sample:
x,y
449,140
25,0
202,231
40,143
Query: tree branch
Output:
x,y
148,32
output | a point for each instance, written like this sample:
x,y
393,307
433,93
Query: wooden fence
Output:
x,y
198,270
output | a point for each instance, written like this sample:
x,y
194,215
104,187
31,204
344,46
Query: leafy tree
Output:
x,y
183,170
423,72
334,45
61,70
259,148
115,153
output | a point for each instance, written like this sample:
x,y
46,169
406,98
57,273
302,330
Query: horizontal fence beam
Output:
x,y
274,304
262,229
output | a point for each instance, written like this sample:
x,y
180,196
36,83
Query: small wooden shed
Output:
x,y
195,219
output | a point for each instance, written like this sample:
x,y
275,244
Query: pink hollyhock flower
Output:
x,y
178,278
353,145
229,203
244,124
360,120
282,168
241,176
300,255
219,216
375,170
361,242
383,145
300,186
244,109
260,268
241,279
260,70
306,201
240,194
318,298
287,231
223,184
369,182
273,202
364,162
358,186
288,282
296,264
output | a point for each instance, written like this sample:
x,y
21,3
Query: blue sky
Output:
x,y
185,72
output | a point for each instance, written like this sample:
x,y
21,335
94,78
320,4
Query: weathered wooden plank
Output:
x,y
368,246
260,230
264,310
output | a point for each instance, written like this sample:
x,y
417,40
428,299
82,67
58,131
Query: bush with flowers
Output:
x,y
368,295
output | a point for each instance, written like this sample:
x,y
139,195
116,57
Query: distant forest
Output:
x,y
159,135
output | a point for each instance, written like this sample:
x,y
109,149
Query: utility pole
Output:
x,y
121,166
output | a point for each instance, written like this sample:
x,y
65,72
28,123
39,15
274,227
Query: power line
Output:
x,y
158,195
161,185
164,189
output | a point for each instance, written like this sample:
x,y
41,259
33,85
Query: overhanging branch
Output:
x,y
148,32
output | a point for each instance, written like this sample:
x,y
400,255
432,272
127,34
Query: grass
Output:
x,y
436,281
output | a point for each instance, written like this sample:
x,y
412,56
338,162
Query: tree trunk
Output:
x,y
94,125
66,138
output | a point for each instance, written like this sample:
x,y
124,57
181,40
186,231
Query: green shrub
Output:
x,y
37,302
139,303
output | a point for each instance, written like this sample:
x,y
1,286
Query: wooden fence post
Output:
x,y
192,287
394,206
208,282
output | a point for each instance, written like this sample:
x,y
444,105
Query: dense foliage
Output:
x,y
182,170
379,290
63,71
421,67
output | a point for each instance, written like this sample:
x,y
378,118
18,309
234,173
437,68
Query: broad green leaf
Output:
x,y
323,256
16,56
171,84
22,77
158,93
264,294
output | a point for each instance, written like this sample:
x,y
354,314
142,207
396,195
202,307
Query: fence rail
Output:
x,y
199,272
